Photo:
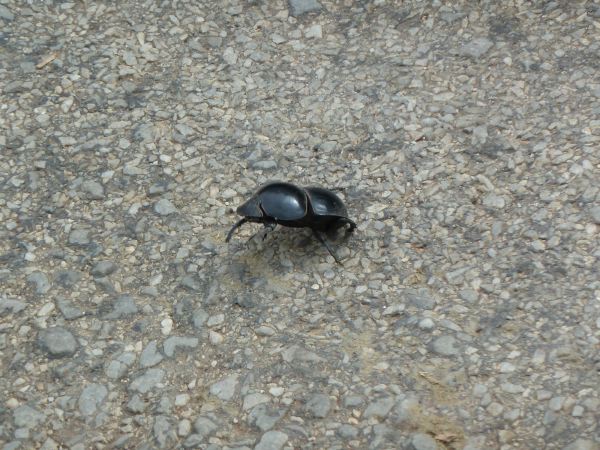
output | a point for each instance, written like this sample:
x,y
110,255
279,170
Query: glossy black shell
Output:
x,y
327,208
280,203
293,206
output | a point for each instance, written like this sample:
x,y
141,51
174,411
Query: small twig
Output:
x,y
429,378
47,60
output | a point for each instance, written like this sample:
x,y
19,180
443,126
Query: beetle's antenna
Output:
x,y
329,249
238,224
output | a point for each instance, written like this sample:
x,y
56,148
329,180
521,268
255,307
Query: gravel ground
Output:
x,y
464,140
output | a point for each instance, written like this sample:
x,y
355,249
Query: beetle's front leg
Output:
x,y
269,226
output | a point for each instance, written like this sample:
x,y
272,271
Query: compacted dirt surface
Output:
x,y
464,139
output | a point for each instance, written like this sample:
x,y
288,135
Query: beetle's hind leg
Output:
x,y
238,224
327,246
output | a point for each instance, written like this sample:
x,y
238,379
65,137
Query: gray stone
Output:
x,y
147,381
396,309
264,416
191,282
299,7
318,405
93,190
118,367
13,445
264,331
297,354
379,408
50,444
215,320
445,345
184,129
164,207
136,405
58,342
150,355
122,441
144,132
172,343
347,431
450,16
11,305
79,237
405,410
595,214
251,400
122,307
163,431
68,310
6,13
265,165
426,324
480,134
27,417
182,311
41,282
103,268
494,201
204,427
193,441
91,398
158,188
352,401
468,295
164,405
199,318
583,444
476,48
422,441
313,31
230,56
272,440
225,389
421,298
67,278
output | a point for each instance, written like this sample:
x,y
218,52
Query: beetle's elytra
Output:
x,y
280,203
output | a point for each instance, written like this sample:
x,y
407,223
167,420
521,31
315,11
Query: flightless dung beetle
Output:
x,y
280,203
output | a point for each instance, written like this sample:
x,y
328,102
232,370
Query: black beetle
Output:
x,y
280,203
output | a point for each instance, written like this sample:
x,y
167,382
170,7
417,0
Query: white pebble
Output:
x,y
507,367
182,399
276,391
215,338
184,427
46,309
426,324
166,326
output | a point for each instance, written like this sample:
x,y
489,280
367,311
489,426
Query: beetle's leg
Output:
x,y
345,220
340,223
326,244
238,224
270,226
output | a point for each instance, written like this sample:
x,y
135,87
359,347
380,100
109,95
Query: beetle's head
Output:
x,y
251,208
